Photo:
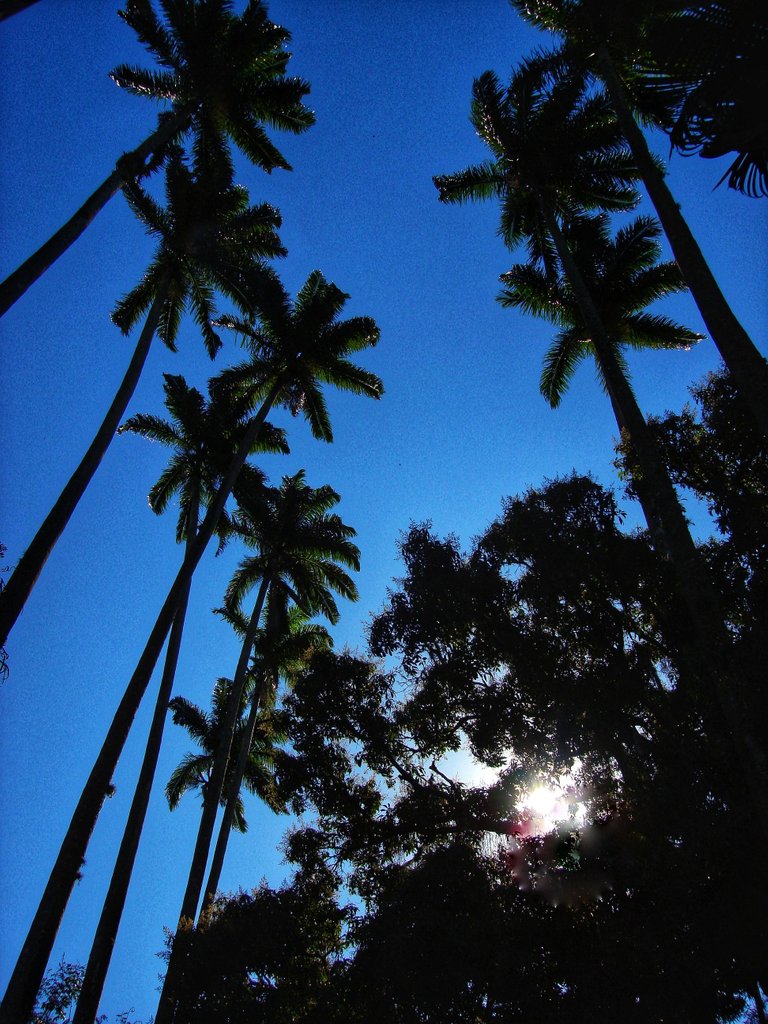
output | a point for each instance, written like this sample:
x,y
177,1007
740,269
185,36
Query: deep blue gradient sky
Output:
x,y
461,424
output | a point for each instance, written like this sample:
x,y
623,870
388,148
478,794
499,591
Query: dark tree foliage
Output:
x,y
550,642
269,955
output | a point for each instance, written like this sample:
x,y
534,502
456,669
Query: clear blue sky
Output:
x,y
461,424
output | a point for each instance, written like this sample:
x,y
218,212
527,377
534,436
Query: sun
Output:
x,y
544,806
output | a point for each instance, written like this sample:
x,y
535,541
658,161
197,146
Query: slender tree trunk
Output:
x,y
28,974
235,782
109,922
11,7
707,650
130,165
745,363
183,939
30,565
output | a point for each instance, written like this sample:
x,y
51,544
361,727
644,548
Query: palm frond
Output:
x,y
560,363
482,181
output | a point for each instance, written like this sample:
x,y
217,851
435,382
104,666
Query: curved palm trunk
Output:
x,y
30,565
182,941
109,922
130,165
225,828
707,649
745,363
25,981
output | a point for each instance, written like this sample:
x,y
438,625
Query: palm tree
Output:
x,y
301,550
530,175
207,229
556,149
281,649
599,303
204,434
303,345
194,770
620,278
605,38
224,76
623,276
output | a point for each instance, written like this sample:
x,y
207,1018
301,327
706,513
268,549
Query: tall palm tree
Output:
x,y
204,436
607,40
600,305
302,549
281,649
304,346
205,232
530,175
224,75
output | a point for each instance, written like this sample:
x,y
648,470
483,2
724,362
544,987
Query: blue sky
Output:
x,y
461,424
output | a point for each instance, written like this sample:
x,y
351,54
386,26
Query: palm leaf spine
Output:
x,y
167,1003
739,353
109,922
129,166
30,565
27,976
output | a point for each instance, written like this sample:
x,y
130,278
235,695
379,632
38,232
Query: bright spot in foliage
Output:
x,y
543,807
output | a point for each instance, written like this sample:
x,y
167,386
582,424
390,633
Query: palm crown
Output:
x,y
296,347
204,434
284,641
227,71
698,70
623,276
302,547
553,145
193,772
209,234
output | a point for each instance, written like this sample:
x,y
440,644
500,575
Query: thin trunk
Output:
x,y
11,7
109,922
235,782
746,364
28,974
183,938
707,649
130,165
30,565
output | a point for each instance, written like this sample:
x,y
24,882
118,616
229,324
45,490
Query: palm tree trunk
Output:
x,y
30,565
707,648
236,781
12,7
28,974
109,922
747,366
182,941
130,165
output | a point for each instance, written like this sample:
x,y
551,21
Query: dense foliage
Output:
x,y
549,650
617,673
